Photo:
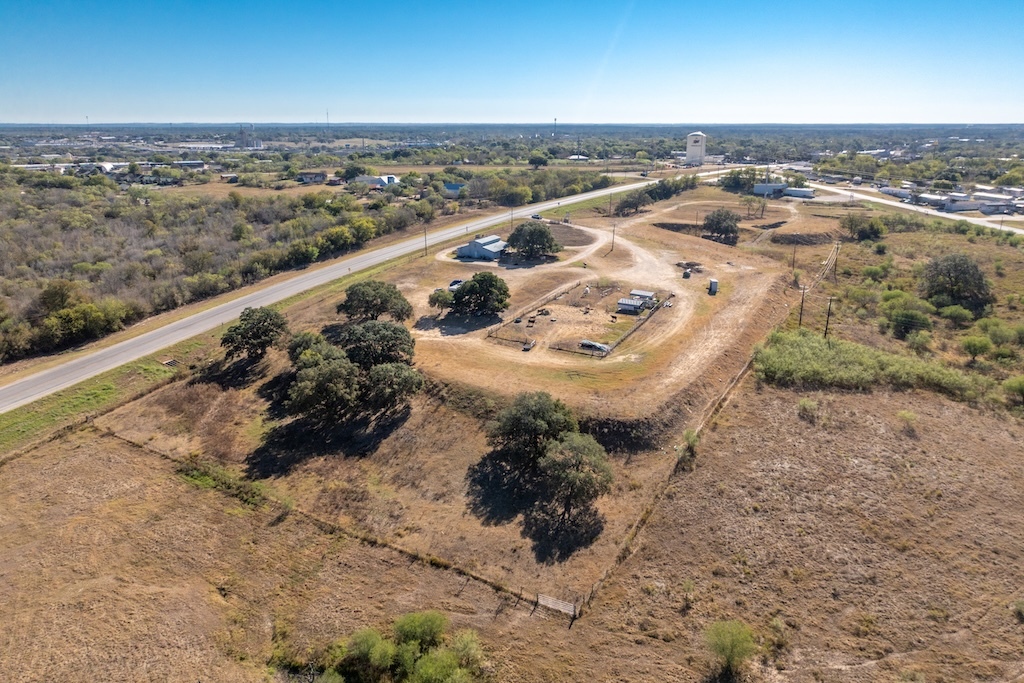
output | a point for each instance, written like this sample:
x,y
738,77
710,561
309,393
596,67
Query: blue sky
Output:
x,y
655,61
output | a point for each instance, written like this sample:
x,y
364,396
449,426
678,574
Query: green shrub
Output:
x,y
804,360
1000,334
1015,387
909,420
425,628
1018,610
958,316
976,346
873,273
732,642
907,321
807,409
919,342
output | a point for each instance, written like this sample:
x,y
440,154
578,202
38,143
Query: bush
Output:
x,y
907,321
807,409
958,316
909,420
976,346
732,642
425,628
804,360
873,273
919,342
1015,388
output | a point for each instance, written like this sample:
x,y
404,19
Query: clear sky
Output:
x,y
588,61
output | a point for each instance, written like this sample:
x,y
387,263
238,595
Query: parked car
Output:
x,y
535,217
454,284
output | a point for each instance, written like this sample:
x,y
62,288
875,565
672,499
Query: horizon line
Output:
x,y
506,123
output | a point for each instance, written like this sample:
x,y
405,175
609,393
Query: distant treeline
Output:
x,y
81,259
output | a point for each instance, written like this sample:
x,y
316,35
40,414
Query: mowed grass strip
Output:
x,y
29,423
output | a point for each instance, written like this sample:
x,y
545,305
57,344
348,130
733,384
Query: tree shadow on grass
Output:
x,y
556,539
289,445
452,323
498,493
236,374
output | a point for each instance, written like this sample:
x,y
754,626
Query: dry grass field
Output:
x,y
859,544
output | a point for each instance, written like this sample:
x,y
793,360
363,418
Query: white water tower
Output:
x,y
696,145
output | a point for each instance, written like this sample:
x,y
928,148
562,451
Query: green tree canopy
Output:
x,y
633,202
389,385
256,331
538,159
955,279
371,299
326,387
524,429
533,239
577,471
976,346
483,293
441,299
861,228
722,224
377,342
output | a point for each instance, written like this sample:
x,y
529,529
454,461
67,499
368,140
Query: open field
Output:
x,y
860,545
425,466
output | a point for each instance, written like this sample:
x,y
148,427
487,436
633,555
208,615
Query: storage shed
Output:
x,y
488,248
634,306
642,294
713,287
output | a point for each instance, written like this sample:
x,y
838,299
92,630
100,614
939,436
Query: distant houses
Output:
x,y
311,177
377,182
452,190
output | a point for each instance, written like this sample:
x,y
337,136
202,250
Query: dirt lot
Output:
x,y
675,348
588,311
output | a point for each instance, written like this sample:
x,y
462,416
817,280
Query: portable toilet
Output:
x,y
713,287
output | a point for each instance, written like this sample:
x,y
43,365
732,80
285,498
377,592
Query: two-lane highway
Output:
x,y
82,367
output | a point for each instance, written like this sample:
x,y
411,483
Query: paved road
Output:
x,y
985,222
80,368
83,367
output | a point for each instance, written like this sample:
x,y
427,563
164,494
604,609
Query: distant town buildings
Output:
x,y
247,139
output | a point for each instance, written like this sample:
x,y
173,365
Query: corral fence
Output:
x,y
573,347
521,312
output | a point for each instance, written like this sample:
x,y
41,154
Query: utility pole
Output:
x,y
828,316
613,236
424,239
511,210
803,290
793,266
835,264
